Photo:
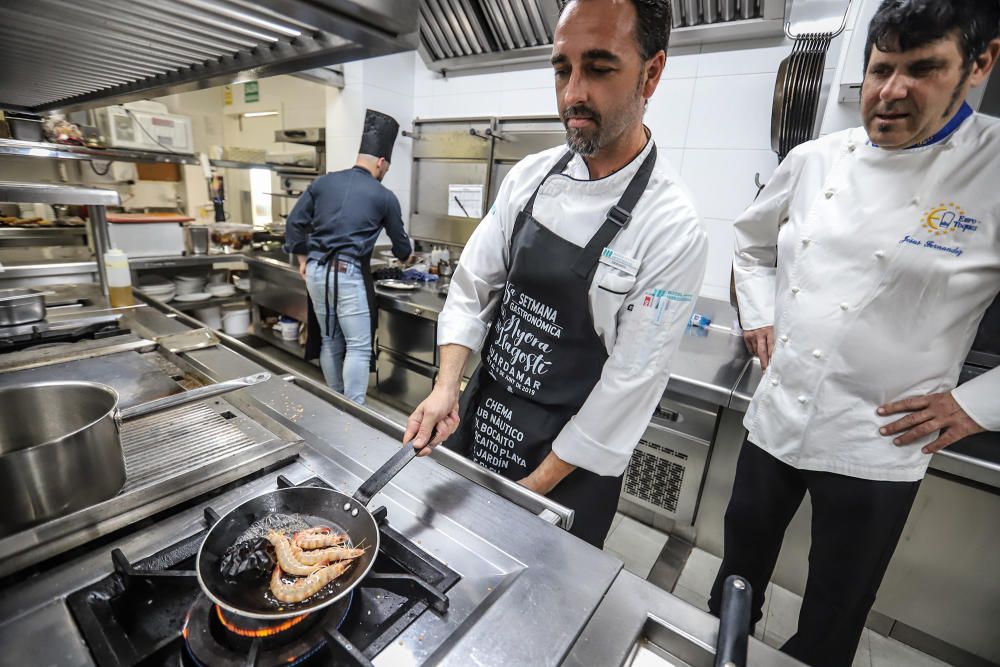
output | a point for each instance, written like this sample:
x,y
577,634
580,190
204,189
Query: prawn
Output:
x,y
305,588
318,538
328,555
285,552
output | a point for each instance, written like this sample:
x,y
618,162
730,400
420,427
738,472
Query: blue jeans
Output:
x,y
346,350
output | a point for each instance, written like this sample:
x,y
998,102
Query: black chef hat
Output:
x,y
379,134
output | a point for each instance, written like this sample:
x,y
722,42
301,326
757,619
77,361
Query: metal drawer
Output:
x,y
408,335
401,381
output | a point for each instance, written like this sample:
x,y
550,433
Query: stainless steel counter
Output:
x,y
639,623
526,588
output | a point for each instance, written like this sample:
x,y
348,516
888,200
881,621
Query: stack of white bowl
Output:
x,y
221,289
158,288
190,284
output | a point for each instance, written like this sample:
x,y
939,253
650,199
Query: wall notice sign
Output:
x,y
227,95
251,91
465,201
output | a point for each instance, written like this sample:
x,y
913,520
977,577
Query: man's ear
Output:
x,y
985,62
654,70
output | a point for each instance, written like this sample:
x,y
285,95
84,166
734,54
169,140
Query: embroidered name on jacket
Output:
x,y
944,220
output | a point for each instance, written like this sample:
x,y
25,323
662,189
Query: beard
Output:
x,y
606,129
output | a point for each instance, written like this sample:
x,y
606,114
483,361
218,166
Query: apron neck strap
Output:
x,y
618,217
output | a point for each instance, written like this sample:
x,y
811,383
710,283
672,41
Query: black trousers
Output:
x,y
856,524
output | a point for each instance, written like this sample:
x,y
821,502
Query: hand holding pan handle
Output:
x,y
734,623
383,475
186,397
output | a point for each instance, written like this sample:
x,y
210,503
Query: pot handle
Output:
x,y
384,475
169,402
734,623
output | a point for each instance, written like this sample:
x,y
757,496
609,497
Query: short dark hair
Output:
x,y
652,21
910,24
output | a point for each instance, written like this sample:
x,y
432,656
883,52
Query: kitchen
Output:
x,y
257,141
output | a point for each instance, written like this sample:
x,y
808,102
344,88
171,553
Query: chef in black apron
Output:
x,y
333,229
576,285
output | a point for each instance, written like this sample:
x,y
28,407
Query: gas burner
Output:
x,y
60,330
153,612
213,637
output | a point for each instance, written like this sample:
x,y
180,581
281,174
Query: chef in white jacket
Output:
x,y
862,272
578,283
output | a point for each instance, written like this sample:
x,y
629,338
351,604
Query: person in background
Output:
x,y
578,283
332,231
862,272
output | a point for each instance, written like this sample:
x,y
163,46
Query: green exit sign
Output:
x,y
251,91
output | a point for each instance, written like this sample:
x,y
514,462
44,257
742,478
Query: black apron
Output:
x,y
314,335
542,358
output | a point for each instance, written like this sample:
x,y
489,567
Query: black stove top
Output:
x,y
153,612
26,336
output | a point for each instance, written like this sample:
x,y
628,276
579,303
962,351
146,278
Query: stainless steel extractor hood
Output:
x,y
65,54
467,34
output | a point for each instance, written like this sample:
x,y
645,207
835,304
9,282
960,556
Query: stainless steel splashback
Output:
x,y
468,151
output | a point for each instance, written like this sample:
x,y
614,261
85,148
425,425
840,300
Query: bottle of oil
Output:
x,y
119,278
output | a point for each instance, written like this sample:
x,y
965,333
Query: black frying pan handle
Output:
x,y
384,475
734,623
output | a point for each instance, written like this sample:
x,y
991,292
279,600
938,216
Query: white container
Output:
x,y
236,321
148,239
211,316
119,278
289,328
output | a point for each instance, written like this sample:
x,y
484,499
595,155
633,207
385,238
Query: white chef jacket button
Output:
x,y
828,194
915,201
879,254
795,290
851,147
817,353
774,382
803,399
844,306
784,338
806,241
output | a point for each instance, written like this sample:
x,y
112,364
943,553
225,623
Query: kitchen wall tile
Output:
x,y
675,156
682,62
669,112
732,112
393,72
526,77
722,181
720,258
531,102
746,57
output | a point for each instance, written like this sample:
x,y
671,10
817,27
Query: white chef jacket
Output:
x,y
886,262
641,297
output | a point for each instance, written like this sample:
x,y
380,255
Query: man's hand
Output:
x,y
760,343
302,265
433,421
934,412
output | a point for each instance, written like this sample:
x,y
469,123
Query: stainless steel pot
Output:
x,y
60,446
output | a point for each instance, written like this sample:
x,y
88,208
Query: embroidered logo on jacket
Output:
x,y
945,219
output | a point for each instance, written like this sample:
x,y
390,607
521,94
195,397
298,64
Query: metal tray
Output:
x,y
21,306
392,283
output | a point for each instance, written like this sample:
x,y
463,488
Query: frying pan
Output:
x,y
318,506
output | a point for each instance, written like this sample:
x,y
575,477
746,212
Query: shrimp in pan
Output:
x,y
286,556
328,555
318,538
306,587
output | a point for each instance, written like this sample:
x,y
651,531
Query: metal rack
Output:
x,y
96,199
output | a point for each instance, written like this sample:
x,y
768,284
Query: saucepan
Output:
x,y
312,506
60,445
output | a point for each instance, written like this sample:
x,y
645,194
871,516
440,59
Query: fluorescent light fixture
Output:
x,y
258,114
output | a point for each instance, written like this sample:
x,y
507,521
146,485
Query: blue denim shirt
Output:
x,y
344,211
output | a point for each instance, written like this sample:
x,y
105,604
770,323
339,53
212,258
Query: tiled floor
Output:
x,y
633,543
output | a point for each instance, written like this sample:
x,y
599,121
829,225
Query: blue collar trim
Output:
x,y
963,112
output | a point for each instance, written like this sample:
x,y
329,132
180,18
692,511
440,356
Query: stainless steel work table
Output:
x,y
526,590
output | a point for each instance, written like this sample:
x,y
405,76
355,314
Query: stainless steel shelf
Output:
x,y
207,303
68,152
50,193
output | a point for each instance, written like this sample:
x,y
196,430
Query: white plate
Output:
x,y
221,290
392,283
197,296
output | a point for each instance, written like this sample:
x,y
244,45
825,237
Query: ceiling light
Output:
x,y
258,114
